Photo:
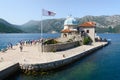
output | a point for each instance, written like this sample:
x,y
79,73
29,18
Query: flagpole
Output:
x,y
44,13
41,33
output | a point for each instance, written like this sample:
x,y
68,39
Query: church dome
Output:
x,y
70,21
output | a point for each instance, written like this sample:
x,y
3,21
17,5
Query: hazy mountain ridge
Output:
x,y
109,24
104,24
49,25
105,21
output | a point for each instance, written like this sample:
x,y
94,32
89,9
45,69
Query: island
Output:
x,y
76,41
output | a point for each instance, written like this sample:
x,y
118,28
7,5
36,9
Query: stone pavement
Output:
x,y
32,54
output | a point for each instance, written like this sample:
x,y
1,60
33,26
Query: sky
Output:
x,y
21,11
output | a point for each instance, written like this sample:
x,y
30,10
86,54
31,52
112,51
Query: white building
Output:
x,y
72,30
88,28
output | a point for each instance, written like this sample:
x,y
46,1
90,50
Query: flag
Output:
x,y
48,13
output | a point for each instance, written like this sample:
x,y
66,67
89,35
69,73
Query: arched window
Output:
x,y
64,35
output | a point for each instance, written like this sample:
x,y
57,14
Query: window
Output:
x,y
64,35
87,31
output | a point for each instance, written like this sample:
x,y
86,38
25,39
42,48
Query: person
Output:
x,y
20,42
21,48
8,47
2,59
11,46
64,55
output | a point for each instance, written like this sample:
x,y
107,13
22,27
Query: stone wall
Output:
x,y
45,66
60,46
9,71
56,64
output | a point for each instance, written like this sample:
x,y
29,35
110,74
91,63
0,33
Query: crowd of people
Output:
x,y
28,43
9,46
23,43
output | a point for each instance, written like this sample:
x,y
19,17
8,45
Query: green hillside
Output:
x,y
6,27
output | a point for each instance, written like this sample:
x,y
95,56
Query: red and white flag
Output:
x,y
48,13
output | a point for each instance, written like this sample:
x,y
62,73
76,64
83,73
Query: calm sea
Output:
x,y
5,39
103,64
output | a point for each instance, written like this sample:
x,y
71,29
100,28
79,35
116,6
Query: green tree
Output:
x,y
87,40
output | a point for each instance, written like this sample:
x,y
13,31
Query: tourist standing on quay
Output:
x,y
21,46
9,46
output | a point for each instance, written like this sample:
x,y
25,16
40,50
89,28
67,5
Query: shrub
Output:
x,y
51,41
87,40
70,40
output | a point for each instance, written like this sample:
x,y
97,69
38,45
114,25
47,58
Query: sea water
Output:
x,y
5,39
103,64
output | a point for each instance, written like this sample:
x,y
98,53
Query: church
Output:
x,y
73,30
73,34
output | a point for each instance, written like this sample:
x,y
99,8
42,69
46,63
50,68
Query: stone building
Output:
x,y
70,25
88,29
70,29
72,35
75,32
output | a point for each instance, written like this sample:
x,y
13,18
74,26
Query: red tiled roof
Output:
x,y
66,31
88,24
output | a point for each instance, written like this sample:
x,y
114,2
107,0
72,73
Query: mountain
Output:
x,y
31,27
6,27
49,25
110,24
